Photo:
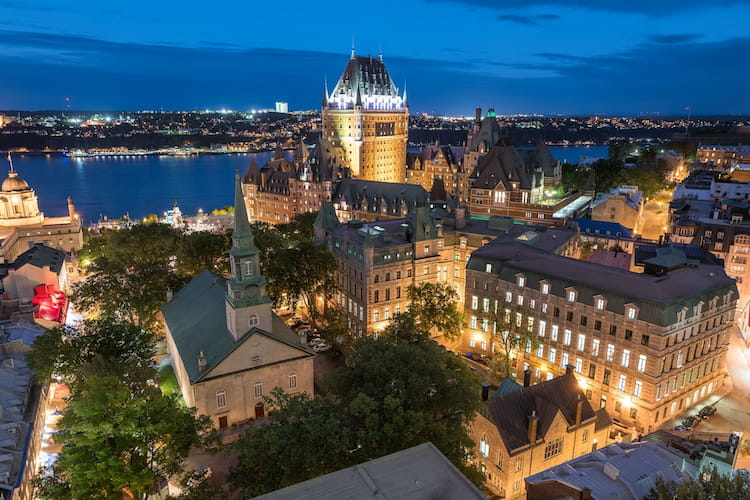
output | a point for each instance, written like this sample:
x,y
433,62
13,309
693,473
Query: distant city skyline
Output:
x,y
534,57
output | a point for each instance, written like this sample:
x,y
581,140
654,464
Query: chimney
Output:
x,y
460,217
170,295
569,369
479,114
302,339
526,377
586,494
485,391
579,410
533,422
201,361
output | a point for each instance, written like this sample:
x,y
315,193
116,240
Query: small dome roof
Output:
x,y
14,183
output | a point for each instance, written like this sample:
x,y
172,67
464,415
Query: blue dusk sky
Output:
x,y
520,56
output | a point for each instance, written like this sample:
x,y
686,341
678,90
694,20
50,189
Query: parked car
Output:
x,y
321,347
707,411
200,475
690,423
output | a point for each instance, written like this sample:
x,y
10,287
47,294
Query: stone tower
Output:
x,y
368,119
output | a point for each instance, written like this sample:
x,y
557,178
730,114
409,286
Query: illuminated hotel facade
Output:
x,y
368,119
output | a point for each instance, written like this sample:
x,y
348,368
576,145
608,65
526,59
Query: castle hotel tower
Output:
x,y
369,120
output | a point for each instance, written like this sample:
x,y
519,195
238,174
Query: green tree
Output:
x,y
203,250
305,438
300,229
116,252
333,327
304,272
133,295
434,307
66,350
116,438
512,333
711,485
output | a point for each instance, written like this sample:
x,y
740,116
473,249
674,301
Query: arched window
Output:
x,y
253,320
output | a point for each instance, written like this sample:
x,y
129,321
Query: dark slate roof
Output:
x,y
489,134
510,412
418,473
658,298
196,318
503,165
507,386
644,252
325,162
539,156
377,195
602,228
366,76
41,255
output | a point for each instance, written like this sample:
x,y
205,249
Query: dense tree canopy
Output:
x,y
711,486
512,332
434,307
395,391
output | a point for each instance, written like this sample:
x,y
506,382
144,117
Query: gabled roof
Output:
x,y
196,318
510,412
504,165
385,198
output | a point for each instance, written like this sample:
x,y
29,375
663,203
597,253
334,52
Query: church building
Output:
x,y
228,348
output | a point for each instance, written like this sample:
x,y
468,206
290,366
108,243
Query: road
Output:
x,y
655,216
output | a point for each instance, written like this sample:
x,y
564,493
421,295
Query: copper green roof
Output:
x,y
196,318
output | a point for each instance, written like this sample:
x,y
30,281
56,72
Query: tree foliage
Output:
x,y
711,486
434,307
203,250
512,332
395,391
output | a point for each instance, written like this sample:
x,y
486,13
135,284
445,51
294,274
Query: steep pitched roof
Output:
x,y
381,197
196,318
504,165
510,412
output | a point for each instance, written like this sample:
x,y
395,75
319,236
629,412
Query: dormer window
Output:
x,y
488,268
571,294
520,280
600,302
544,288
253,320
631,311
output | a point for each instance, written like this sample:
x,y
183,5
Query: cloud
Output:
x,y
677,38
648,7
514,18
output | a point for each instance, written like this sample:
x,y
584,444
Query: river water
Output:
x,y
142,185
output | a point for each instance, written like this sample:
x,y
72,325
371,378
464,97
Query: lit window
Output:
x,y
579,365
621,382
542,328
600,304
488,268
571,296
519,464
625,358
545,288
631,312
552,355
519,300
486,304
521,281
474,302
566,337
610,352
581,342
484,447
508,297
565,359
555,330
642,363
474,322
637,388
221,399
540,352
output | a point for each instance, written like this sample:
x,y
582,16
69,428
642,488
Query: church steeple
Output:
x,y
247,304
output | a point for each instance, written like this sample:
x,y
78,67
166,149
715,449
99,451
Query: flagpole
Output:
x,y
10,160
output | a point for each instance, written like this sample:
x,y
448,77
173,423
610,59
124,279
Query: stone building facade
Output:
x,y
645,346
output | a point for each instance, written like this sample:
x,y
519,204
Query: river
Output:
x,y
142,185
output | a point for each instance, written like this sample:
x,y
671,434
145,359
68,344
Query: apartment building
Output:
x,y
647,345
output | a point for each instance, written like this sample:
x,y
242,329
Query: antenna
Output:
x,y
10,160
352,46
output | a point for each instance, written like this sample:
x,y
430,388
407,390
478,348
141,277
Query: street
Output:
x,y
655,212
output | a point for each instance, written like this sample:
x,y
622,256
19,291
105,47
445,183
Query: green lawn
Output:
x,y
168,380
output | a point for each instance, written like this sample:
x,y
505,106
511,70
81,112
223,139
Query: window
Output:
x,y
595,347
637,388
474,322
248,268
484,447
542,328
613,329
606,377
376,296
569,316
375,316
508,297
584,320
553,448
258,389
292,380
556,312
610,352
540,351
579,365
552,355
486,305
642,363
566,338
252,320
625,358
474,302
585,436
600,304
555,330
622,381
519,464
628,334
592,371
521,281
485,324
571,296
645,339
658,392
597,325
545,288
519,300
221,398
581,342
426,270
488,268
565,359
631,312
